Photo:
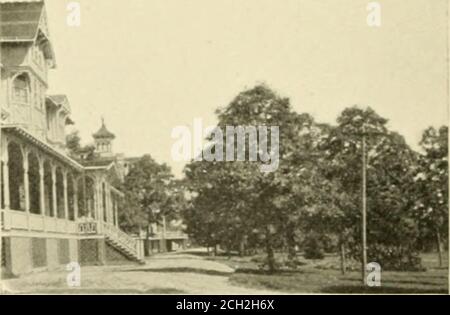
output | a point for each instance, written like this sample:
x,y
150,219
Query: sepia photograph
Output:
x,y
251,148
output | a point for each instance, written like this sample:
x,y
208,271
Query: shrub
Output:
x,y
313,247
397,258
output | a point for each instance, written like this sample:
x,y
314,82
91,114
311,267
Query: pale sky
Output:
x,y
148,66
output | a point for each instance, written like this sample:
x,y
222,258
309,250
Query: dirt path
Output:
x,y
172,273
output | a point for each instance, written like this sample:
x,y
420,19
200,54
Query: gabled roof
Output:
x,y
25,21
20,20
59,100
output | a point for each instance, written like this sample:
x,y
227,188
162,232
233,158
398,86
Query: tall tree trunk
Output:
x,y
147,243
242,248
343,261
290,238
229,249
439,247
270,254
243,251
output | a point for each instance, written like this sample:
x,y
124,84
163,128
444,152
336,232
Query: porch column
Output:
x,y
87,211
109,204
66,199
75,199
103,201
116,212
26,181
97,201
108,215
5,172
26,185
54,201
98,208
42,186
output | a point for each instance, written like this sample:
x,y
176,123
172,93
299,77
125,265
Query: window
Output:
x,y
37,55
42,97
36,93
20,89
48,120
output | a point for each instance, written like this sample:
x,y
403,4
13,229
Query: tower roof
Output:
x,y
103,132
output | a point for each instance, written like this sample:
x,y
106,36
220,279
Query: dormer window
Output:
x,y
21,87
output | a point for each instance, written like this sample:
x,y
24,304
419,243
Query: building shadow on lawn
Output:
x,y
358,289
208,272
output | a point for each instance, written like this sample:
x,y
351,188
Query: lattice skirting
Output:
x,y
39,252
89,251
63,251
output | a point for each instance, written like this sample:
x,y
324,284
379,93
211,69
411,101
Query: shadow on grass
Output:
x,y
439,268
209,255
262,272
399,281
172,257
8,276
182,270
379,290
81,291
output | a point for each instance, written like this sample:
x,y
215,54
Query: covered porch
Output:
x,y
43,190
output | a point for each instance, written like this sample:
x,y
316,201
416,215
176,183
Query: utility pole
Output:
x,y
364,209
1,169
364,134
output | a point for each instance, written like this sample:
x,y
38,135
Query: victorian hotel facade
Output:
x,y
55,209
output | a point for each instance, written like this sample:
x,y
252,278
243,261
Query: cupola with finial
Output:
x,y
103,139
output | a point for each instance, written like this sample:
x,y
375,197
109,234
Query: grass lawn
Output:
x,y
324,276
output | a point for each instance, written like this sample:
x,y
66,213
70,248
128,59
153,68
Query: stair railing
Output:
x,y
121,238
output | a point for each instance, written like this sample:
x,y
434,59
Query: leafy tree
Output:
x,y
73,141
391,231
151,193
75,149
237,203
432,187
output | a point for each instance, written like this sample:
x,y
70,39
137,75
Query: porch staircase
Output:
x,y
123,242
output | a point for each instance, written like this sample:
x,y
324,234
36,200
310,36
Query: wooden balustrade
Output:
x,y
20,220
169,235
88,228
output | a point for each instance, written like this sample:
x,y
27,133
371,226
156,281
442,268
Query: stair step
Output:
x,y
124,248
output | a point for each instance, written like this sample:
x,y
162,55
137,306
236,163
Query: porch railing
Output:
x,y
177,235
88,228
20,220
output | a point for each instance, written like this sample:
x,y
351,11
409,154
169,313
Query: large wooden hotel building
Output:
x,y
55,209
